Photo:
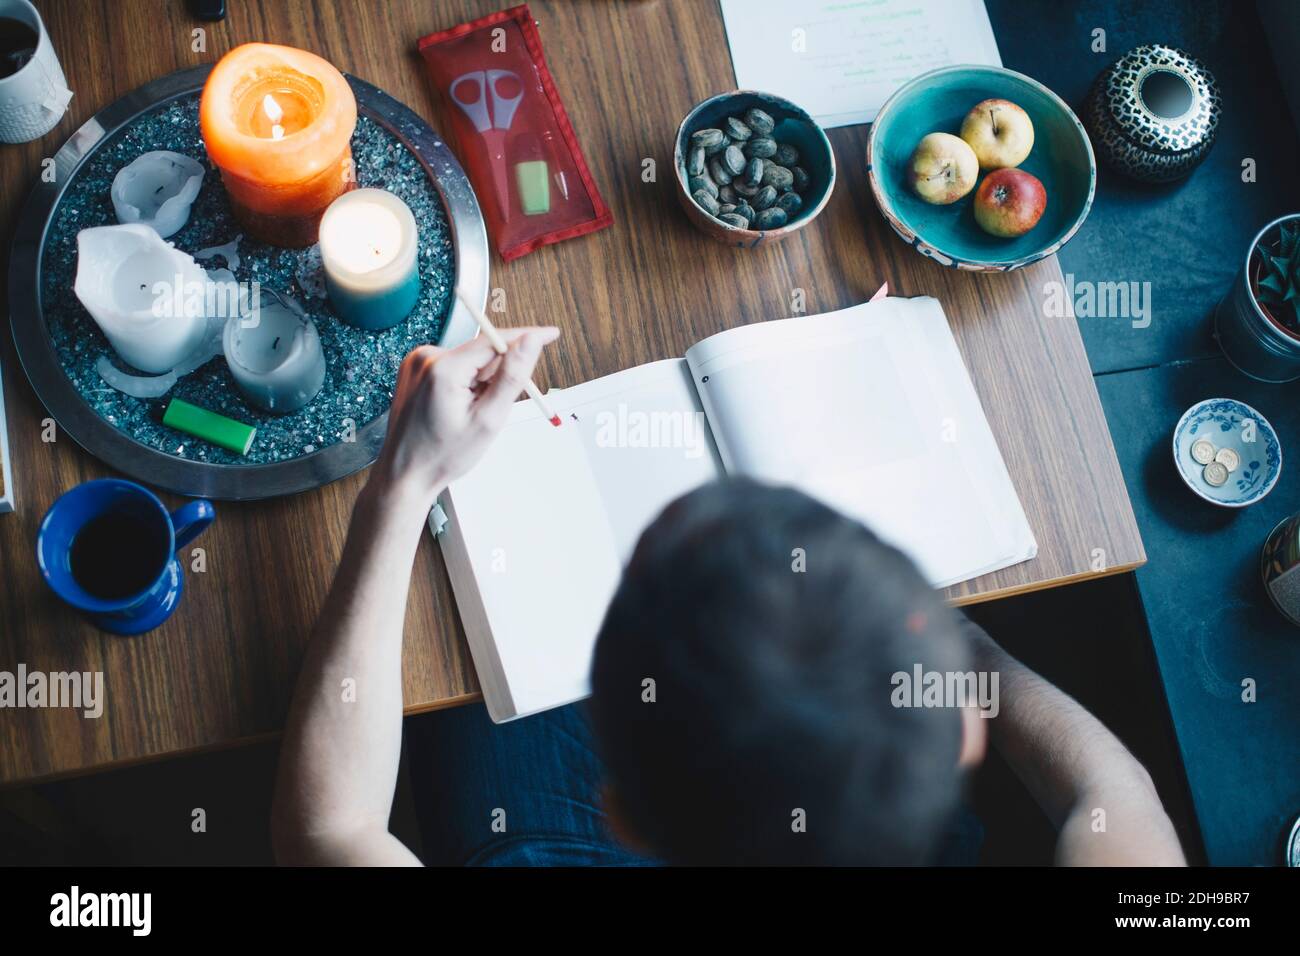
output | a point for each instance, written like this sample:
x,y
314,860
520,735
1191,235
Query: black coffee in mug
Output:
x,y
108,547
118,554
17,45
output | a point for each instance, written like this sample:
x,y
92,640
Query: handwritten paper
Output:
x,y
841,59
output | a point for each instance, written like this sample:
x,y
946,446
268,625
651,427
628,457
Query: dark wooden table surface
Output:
x,y
222,668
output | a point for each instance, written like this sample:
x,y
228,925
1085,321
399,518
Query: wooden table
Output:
x,y
222,669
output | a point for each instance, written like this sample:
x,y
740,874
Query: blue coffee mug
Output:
x,y
150,605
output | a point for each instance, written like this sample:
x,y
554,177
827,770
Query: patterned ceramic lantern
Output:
x,y
1153,113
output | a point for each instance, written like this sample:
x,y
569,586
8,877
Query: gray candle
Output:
x,y
275,355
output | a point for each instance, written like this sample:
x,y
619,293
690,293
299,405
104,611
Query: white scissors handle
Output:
x,y
503,108
475,107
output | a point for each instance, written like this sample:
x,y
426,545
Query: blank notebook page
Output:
x,y
550,515
870,409
543,558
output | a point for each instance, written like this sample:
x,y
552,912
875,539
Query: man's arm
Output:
x,y
1075,767
339,758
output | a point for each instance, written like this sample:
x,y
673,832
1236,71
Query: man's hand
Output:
x,y
339,758
450,404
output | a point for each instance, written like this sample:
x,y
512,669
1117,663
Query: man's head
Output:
x,y
770,626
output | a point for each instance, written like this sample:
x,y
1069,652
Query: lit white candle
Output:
x,y
146,296
368,246
275,355
157,189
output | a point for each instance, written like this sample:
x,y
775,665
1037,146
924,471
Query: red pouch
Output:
x,y
515,139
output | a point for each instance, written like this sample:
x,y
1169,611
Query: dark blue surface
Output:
x,y
1187,239
1211,623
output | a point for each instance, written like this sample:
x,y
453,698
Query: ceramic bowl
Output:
x,y
1224,421
1153,113
793,126
938,101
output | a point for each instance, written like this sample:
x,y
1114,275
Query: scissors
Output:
x,y
490,98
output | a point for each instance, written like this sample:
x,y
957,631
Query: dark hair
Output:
x,y
772,687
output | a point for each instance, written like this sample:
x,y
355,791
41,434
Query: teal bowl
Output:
x,y
793,126
938,101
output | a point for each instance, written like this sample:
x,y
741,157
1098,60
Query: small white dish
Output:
x,y
1234,425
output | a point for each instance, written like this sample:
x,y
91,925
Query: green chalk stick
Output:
x,y
533,179
211,427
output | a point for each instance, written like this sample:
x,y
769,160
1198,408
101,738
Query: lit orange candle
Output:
x,y
278,123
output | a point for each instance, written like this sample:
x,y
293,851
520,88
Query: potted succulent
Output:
x,y
1258,321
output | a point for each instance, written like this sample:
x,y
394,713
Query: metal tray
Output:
x,y
223,481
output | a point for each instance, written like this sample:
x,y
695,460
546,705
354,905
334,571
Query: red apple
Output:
x,y
1009,202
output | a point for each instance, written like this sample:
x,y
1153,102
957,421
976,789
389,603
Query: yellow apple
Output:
x,y
943,168
1000,132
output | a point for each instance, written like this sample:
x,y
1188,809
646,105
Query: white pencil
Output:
x,y
499,344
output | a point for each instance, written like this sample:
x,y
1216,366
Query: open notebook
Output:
x,y
869,409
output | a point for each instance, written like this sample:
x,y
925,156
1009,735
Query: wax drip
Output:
x,y
156,386
228,251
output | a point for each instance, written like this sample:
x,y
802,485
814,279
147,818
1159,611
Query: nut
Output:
x,y
695,164
696,183
791,202
705,201
786,154
761,123
707,137
778,177
737,130
765,197
773,218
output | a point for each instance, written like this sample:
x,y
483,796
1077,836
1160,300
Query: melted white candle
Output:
x,y
147,297
157,189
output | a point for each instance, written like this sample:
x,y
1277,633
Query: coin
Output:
x,y
1203,451
1216,473
1228,458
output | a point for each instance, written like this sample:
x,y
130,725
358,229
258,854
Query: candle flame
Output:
x,y
272,109
274,112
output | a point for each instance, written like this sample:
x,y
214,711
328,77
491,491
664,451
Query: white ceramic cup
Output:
x,y
34,99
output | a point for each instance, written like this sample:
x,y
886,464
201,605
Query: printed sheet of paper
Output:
x,y
841,59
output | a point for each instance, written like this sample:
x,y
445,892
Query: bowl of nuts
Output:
x,y
752,167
